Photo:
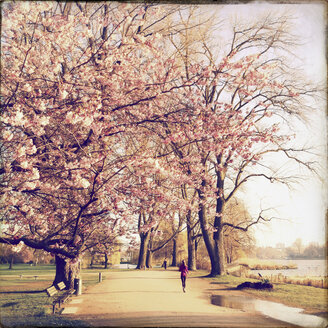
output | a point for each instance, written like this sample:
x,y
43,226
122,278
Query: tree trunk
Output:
x,y
67,270
191,256
196,248
174,253
11,262
228,259
212,248
106,261
229,253
214,245
218,222
149,261
219,249
191,244
144,240
218,225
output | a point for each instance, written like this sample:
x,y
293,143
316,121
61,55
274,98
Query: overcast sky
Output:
x,y
305,206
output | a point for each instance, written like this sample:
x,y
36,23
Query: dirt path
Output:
x,y
155,298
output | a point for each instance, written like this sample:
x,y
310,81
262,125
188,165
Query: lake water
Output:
x,y
271,309
125,266
311,268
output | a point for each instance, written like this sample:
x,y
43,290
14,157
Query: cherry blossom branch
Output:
x,y
37,245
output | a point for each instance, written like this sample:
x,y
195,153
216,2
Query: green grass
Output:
x,y
24,302
23,268
305,297
41,321
34,304
309,298
45,273
31,309
24,282
26,269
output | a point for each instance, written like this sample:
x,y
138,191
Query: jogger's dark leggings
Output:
x,y
183,279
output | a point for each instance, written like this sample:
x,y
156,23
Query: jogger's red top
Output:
x,y
183,269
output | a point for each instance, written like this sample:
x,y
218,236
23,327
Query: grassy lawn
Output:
x,y
26,269
41,269
311,299
27,305
24,302
29,321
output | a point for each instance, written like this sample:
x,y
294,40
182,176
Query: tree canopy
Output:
x,y
100,124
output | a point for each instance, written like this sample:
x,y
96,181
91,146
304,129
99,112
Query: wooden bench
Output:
x,y
27,277
51,291
63,298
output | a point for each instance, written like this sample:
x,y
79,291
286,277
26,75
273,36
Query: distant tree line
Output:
x,y
297,250
23,254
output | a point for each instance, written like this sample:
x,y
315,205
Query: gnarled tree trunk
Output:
x,y
67,270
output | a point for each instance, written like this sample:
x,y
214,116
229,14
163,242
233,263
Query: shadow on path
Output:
x,y
144,278
24,292
119,292
182,320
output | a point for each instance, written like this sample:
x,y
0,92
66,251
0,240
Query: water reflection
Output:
x,y
315,268
271,309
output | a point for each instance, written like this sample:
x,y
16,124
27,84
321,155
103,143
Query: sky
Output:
x,y
301,210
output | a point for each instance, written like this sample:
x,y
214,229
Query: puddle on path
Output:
x,y
271,309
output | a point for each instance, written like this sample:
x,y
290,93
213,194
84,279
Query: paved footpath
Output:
x,y
155,299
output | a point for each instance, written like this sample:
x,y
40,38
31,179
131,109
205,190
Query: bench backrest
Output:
x,y
51,291
61,285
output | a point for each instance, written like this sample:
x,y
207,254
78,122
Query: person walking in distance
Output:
x,y
184,270
164,264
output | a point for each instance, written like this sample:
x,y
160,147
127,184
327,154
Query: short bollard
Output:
x,y
100,277
78,286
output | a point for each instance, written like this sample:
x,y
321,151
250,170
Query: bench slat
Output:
x,y
61,285
51,291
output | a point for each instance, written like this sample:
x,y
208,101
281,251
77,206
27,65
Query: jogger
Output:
x,y
184,270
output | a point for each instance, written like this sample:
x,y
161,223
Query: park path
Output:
x,y
155,298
